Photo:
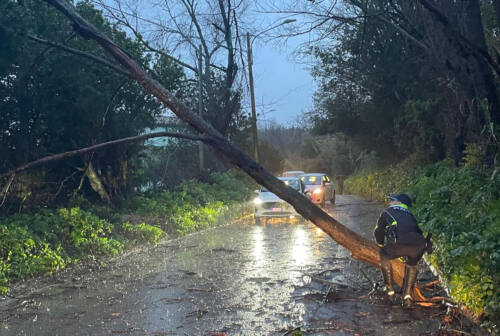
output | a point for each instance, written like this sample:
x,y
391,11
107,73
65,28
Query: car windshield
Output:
x,y
295,184
311,180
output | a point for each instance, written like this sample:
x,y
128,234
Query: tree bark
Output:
x,y
496,4
459,44
361,248
96,184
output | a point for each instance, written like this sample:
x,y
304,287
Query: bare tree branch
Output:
x,y
403,31
123,20
122,141
5,189
192,13
81,53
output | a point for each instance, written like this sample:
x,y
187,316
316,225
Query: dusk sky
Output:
x,y
283,86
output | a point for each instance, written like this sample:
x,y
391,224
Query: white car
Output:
x,y
268,205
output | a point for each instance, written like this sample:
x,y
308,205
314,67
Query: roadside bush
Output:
x,y
4,280
48,240
461,207
144,232
193,205
23,254
87,233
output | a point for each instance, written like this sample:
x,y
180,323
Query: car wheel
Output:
x,y
257,220
333,198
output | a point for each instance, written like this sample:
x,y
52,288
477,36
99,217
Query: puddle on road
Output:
x,y
238,279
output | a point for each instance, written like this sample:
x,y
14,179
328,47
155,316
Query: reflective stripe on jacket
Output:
x,y
396,220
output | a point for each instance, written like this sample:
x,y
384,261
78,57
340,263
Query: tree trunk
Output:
x,y
457,42
96,184
496,4
361,248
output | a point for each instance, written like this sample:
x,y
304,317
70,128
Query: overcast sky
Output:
x,y
283,86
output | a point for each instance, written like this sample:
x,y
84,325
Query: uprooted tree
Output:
x,y
362,249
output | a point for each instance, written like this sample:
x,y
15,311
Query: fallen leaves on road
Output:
x,y
362,314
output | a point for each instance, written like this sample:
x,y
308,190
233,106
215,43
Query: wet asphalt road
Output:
x,y
238,279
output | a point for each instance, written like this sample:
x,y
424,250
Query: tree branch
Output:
x,y
5,189
81,53
122,141
139,37
460,38
403,31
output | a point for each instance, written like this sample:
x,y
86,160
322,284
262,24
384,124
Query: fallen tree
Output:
x,y
362,249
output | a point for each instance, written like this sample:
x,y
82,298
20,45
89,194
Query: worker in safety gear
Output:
x,y
398,235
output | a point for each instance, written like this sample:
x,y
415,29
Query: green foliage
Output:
x,y
474,153
24,254
193,205
394,97
461,207
378,184
87,233
144,232
377,94
46,241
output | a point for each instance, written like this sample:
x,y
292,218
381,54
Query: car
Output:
x,y
268,205
292,173
320,186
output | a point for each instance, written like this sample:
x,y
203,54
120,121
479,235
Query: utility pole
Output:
x,y
252,92
252,100
200,108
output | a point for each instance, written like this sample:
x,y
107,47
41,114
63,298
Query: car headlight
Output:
x,y
317,191
257,201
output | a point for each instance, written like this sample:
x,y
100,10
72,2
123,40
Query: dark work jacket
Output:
x,y
397,223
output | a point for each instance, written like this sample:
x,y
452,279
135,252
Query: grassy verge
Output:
x,y
461,207
43,242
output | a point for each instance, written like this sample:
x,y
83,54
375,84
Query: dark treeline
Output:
x,y
296,148
410,78
396,80
60,92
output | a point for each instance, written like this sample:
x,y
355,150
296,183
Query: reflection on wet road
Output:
x,y
239,279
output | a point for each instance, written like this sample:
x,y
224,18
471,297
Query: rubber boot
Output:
x,y
386,269
405,278
408,284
